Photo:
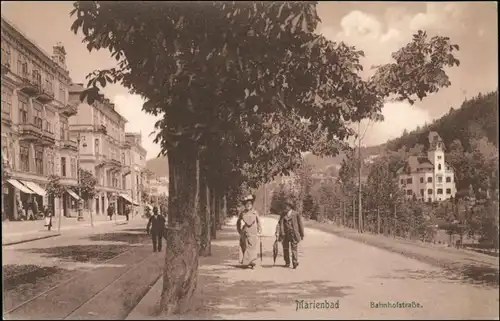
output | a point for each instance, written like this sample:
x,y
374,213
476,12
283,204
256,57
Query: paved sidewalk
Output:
x,y
332,269
27,231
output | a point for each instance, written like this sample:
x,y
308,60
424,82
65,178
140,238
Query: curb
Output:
x,y
31,240
144,309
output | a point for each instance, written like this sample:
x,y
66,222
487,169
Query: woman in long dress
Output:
x,y
249,228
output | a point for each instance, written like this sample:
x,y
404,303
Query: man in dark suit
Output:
x,y
290,231
156,225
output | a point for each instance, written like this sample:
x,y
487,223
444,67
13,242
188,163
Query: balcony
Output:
x,y
48,138
6,119
103,161
100,129
46,95
5,61
29,132
31,86
69,110
69,145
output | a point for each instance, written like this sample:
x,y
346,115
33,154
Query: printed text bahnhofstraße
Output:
x,y
395,305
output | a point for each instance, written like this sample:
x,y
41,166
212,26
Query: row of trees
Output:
x,y
86,187
243,88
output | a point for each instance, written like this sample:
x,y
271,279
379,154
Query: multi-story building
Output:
x,y
136,155
114,157
35,113
428,178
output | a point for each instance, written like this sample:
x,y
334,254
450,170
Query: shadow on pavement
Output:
x,y
15,275
127,236
81,253
470,274
256,296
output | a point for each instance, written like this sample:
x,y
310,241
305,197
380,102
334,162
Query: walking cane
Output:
x,y
260,249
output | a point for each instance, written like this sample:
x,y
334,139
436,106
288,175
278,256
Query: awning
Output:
x,y
73,194
127,198
35,188
20,186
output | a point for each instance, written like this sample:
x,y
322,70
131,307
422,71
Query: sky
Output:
x,y
377,28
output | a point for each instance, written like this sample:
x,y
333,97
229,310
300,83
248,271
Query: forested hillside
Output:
x,y
476,118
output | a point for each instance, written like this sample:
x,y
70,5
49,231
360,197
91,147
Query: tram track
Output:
x,y
34,307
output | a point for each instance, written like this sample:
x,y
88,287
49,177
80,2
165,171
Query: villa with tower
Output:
x,y
428,178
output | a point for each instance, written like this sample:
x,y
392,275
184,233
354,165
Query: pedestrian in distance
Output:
x,y
127,212
48,217
290,231
249,228
111,211
156,226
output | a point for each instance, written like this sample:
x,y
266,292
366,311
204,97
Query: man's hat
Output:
x,y
290,203
248,198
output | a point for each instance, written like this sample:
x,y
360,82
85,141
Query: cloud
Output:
x,y
130,107
398,116
440,17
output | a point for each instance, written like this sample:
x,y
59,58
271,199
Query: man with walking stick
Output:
x,y
290,231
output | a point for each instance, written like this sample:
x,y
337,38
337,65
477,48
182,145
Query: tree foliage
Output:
x,y
87,184
54,187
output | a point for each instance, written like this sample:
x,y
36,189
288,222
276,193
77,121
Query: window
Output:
x,y
408,180
439,157
39,160
440,191
73,167
429,200
421,179
429,179
429,191
64,129
25,158
402,181
6,102
49,84
48,126
37,118
448,191
22,66
123,158
439,166
422,192
23,111
96,146
37,78
6,54
448,179
409,192
50,162
62,94
440,179
63,166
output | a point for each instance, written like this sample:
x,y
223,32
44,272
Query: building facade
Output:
x,y
429,178
136,155
35,115
114,157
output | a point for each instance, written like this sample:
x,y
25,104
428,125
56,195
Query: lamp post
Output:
x,y
80,202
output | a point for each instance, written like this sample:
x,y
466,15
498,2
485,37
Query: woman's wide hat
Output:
x,y
248,198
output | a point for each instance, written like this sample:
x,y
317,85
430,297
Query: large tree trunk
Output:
x,y
205,239
213,224
181,259
218,210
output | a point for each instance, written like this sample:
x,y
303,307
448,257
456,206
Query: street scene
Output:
x,y
249,160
